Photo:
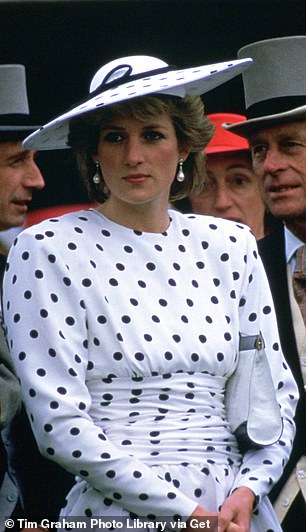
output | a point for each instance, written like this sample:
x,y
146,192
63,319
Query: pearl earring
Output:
x,y
97,176
180,176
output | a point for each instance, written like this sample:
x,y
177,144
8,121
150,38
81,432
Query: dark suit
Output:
x,y
272,251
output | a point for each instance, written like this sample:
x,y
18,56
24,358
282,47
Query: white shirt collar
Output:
x,y
292,243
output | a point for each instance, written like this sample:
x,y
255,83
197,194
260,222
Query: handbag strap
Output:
x,y
251,342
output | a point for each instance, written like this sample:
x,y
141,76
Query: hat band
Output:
x,y
125,78
274,106
14,119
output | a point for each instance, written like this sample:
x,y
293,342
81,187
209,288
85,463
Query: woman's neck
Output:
x,y
142,218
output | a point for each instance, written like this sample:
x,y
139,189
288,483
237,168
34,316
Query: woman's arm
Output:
x,y
262,468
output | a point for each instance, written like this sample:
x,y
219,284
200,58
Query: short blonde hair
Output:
x,y
193,130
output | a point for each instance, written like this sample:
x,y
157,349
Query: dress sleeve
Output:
x,y
51,358
261,469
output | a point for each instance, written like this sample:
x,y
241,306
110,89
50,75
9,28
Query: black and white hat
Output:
x,y
131,77
15,122
275,84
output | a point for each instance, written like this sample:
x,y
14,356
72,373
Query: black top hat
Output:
x,y
274,85
14,107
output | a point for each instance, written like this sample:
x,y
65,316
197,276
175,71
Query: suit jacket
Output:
x,y
272,251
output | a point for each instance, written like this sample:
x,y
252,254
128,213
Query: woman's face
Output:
x,y
232,192
138,159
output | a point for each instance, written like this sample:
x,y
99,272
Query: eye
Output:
x,y
239,181
113,137
153,135
17,162
292,144
258,150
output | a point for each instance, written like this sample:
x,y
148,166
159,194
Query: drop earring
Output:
x,y
180,176
97,176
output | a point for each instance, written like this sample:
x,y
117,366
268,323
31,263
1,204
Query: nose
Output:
x,y
223,199
273,162
33,178
134,152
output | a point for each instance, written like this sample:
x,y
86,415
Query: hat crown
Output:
x,y
223,140
13,90
122,68
278,69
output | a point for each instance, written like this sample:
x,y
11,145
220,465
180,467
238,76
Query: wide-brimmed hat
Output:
x,y
275,84
15,123
132,77
222,140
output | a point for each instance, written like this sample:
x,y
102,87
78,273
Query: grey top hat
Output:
x,y
14,107
274,85
131,77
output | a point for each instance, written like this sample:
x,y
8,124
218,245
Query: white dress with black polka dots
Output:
x,y
123,342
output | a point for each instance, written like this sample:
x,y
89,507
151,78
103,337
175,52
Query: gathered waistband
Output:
x,y
170,418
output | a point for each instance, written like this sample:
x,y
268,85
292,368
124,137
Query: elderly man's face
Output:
x,y
19,176
279,160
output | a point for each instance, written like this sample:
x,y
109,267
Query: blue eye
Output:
x,y
153,135
113,136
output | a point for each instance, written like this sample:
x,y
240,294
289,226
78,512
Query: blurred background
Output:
x,y
62,43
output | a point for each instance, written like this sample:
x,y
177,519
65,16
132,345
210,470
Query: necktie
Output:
x,y
299,280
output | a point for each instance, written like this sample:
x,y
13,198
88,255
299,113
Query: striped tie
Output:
x,y
299,280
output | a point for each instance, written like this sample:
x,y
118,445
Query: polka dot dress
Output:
x,y
124,341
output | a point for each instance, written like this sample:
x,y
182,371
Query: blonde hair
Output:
x,y
193,130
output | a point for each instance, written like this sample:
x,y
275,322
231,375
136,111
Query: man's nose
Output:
x,y
274,161
33,177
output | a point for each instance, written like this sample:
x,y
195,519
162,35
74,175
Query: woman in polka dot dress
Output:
x,y
124,322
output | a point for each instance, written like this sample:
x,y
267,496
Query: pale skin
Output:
x,y
19,177
279,161
139,162
232,191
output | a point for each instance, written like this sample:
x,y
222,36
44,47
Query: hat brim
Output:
x,y
196,81
224,149
11,133
247,128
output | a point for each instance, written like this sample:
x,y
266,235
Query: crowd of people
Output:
x,y
124,319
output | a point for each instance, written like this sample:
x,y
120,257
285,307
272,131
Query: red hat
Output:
x,y
224,140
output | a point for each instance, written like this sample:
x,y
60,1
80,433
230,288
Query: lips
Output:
x,y
22,203
281,188
135,178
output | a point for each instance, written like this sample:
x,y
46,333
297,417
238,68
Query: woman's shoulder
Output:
x,y
53,233
202,224
58,226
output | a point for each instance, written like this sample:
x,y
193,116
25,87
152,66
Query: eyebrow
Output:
x,y
16,155
282,136
244,166
121,128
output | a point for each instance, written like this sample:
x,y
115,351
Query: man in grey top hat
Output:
x,y
40,483
19,176
275,95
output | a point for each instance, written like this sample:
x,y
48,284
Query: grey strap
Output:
x,y
251,342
